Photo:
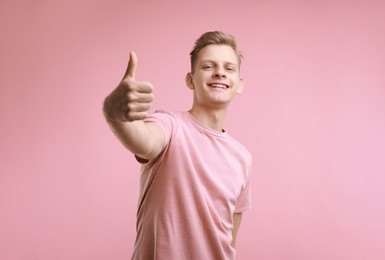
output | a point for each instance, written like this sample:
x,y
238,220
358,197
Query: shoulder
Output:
x,y
167,118
160,114
161,117
238,144
163,114
241,148
169,121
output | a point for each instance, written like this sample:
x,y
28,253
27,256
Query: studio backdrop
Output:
x,y
312,114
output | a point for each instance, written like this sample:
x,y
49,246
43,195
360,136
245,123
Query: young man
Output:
x,y
195,178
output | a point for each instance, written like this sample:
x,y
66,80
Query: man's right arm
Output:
x,y
125,110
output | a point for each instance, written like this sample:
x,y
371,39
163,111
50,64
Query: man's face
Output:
x,y
216,78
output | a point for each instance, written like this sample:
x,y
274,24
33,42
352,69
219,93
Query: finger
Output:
x,y
132,116
131,68
134,97
143,87
138,107
145,98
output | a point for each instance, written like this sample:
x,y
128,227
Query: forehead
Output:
x,y
218,53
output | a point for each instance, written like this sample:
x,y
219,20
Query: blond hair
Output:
x,y
209,38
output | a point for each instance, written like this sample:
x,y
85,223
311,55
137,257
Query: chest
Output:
x,y
214,163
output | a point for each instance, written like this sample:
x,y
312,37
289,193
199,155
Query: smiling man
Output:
x,y
195,178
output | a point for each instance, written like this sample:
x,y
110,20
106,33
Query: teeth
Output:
x,y
218,85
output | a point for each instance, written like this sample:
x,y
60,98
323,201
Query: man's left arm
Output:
x,y
237,218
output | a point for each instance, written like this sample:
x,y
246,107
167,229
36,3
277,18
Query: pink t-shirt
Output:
x,y
189,193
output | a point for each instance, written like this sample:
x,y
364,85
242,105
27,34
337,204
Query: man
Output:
x,y
195,178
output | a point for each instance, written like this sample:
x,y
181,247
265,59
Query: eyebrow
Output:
x,y
226,62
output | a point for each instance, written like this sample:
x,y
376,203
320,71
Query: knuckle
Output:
x,y
131,85
131,106
125,83
130,116
131,96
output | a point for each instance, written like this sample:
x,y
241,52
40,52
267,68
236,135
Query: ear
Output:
x,y
240,86
189,81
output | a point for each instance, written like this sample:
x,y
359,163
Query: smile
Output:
x,y
218,85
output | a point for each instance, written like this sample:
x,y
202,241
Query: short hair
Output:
x,y
210,38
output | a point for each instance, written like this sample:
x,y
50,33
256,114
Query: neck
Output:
x,y
213,119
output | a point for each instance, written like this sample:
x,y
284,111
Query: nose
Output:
x,y
219,74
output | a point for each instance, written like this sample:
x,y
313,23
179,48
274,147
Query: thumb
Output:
x,y
131,68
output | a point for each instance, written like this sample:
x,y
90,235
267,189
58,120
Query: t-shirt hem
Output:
x,y
240,210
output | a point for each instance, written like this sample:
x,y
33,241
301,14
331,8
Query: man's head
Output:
x,y
209,38
215,76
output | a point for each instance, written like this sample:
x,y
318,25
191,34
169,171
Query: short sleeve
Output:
x,y
244,198
164,120
167,122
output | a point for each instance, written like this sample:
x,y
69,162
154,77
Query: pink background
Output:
x,y
312,114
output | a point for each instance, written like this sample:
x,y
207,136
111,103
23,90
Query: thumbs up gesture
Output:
x,y
131,99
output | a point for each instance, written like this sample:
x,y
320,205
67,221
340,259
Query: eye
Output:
x,y
230,69
207,66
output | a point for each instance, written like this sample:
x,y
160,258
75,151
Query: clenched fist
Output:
x,y
131,99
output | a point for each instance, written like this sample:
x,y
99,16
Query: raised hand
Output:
x,y
132,99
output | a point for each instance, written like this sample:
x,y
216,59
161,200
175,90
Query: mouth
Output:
x,y
218,85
